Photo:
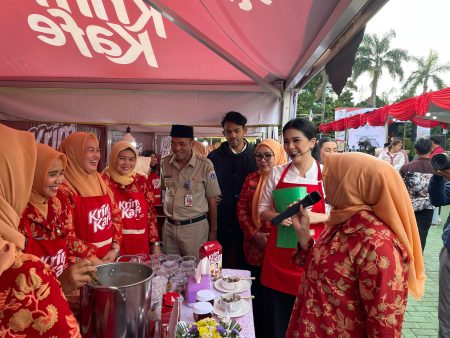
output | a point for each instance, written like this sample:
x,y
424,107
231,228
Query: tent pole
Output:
x,y
386,129
289,108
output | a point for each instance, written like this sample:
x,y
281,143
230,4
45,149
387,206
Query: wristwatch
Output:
x,y
155,243
116,250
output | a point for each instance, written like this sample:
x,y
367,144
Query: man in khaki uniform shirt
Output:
x,y
191,188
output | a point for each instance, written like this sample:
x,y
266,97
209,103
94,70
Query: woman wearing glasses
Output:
x,y
279,276
268,154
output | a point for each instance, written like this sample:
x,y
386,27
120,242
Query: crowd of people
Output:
x,y
342,267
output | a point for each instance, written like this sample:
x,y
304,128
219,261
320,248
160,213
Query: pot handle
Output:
x,y
138,257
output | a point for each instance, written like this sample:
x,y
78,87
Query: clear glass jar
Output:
x,y
173,258
179,284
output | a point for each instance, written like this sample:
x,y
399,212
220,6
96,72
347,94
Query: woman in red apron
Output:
x,y
154,177
268,154
135,200
280,277
47,224
96,215
31,301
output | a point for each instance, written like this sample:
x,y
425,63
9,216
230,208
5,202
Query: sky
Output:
x,y
419,26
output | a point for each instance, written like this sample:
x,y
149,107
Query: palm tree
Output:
x,y
374,55
428,69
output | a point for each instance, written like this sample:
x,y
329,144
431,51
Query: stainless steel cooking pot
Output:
x,y
119,306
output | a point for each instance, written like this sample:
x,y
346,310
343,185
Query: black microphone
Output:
x,y
309,200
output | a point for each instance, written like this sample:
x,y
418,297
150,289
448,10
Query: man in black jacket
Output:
x,y
233,161
439,191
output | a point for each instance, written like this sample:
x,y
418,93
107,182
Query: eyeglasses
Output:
x,y
266,156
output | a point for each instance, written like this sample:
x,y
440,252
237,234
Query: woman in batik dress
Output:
x,y
358,273
32,303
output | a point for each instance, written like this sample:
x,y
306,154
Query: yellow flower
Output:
x,y
20,320
204,332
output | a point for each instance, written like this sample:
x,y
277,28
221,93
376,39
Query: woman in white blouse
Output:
x,y
393,154
280,277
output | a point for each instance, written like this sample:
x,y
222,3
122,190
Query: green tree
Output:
x,y
316,100
428,69
307,98
380,102
344,100
374,55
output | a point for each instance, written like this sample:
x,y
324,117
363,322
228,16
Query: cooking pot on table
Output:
x,y
119,306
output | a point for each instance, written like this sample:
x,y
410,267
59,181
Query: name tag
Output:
x,y
312,232
188,201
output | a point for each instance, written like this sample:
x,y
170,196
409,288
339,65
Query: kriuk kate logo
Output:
x,y
130,209
114,33
100,218
57,262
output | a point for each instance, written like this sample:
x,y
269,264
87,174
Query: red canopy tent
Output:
x,y
124,62
427,110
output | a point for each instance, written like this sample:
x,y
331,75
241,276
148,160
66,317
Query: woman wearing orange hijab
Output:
x,y
47,224
96,215
135,199
358,273
31,301
268,153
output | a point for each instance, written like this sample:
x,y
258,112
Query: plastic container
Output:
x,y
202,310
205,296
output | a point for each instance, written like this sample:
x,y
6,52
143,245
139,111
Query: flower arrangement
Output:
x,y
209,328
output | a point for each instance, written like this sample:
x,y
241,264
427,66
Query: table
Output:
x,y
246,321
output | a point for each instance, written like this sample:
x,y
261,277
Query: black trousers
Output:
x,y
423,219
277,312
232,249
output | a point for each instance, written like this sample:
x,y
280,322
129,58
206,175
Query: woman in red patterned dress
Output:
x,y
268,153
358,273
135,199
96,215
31,300
47,225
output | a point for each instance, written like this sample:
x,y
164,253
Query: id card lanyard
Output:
x,y
188,200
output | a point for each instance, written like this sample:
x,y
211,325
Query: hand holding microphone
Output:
x,y
307,201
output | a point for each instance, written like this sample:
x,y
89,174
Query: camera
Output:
x,y
440,161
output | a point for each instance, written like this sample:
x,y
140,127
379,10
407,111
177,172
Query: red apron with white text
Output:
x,y
51,251
133,210
278,272
93,223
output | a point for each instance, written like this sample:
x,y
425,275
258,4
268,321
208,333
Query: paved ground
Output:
x,y
421,319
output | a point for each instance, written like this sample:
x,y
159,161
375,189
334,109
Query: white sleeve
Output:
x,y
266,202
400,163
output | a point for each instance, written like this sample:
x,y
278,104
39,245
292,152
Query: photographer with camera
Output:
x,y
439,191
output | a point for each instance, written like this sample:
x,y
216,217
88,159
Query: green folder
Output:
x,y
287,238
